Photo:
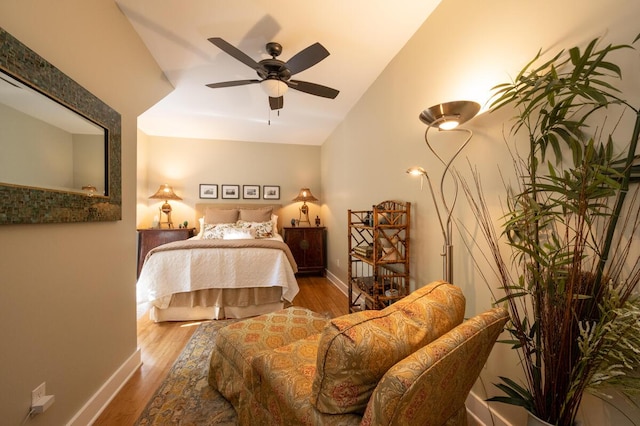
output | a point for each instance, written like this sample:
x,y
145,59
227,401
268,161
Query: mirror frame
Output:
x,y
23,204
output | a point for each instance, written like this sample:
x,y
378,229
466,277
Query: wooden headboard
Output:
x,y
201,207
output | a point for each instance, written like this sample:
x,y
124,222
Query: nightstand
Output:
x,y
307,246
151,238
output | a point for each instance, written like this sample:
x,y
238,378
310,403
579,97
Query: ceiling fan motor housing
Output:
x,y
274,49
273,68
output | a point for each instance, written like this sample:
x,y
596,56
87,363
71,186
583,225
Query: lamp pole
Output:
x,y
446,117
447,250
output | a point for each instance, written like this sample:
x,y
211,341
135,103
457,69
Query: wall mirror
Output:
x,y
59,144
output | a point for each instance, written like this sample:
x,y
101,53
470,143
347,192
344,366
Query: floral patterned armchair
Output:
x,y
411,363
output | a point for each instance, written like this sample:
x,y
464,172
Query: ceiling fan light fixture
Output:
x,y
274,87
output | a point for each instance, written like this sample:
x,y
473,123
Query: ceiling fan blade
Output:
x,y
313,88
234,52
307,58
276,103
232,83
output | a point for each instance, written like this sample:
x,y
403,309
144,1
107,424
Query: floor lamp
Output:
x,y
446,117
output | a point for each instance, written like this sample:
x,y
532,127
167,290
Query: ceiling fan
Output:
x,y
275,75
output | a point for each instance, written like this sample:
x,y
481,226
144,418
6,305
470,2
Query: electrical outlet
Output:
x,y
338,263
38,393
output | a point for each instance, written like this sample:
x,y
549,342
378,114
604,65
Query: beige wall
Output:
x,y
186,163
461,51
67,292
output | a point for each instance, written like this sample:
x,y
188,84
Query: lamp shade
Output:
x,y
274,87
165,192
305,195
449,115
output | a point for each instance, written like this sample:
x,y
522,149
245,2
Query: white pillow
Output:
x,y
237,234
201,220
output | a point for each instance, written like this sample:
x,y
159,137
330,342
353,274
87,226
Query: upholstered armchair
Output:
x,y
411,363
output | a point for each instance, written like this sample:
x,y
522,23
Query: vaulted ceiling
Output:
x,y
362,37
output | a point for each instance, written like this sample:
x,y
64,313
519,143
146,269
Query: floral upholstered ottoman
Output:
x,y
237,344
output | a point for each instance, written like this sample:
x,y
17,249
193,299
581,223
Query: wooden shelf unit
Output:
x,y
379,248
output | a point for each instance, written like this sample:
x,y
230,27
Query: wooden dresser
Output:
x,y
151,238
307,246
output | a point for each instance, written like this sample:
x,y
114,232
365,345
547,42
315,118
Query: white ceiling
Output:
x,y
362,37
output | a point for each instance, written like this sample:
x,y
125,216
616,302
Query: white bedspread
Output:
x,y
174,271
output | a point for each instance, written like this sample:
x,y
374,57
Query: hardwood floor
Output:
x,y
161,344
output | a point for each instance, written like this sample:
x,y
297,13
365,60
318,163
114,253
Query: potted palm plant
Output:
x,y
570,283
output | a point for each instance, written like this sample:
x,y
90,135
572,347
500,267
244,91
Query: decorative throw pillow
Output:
x,y
357,349
215,232
256,215
215,216
261,229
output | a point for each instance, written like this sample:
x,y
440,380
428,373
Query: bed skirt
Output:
x,y
218,304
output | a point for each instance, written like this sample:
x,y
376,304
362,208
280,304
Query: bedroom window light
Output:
x,y
304,196
446,117
165,193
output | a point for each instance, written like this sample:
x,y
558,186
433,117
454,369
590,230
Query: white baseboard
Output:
x,y
99,401
481,414
337,282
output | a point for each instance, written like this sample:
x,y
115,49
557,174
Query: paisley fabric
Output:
x,y
407,364
281,385
431,385
239,342
358,349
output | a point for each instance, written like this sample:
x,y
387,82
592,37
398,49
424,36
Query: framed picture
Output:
x,y
251,191
271,192
230,191
208,190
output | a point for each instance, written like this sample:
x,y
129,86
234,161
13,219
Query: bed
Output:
x,y
236,267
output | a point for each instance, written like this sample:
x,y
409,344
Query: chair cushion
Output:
x,y
356,350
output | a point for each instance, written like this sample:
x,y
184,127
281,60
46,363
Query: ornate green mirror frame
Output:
x,y
25,204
